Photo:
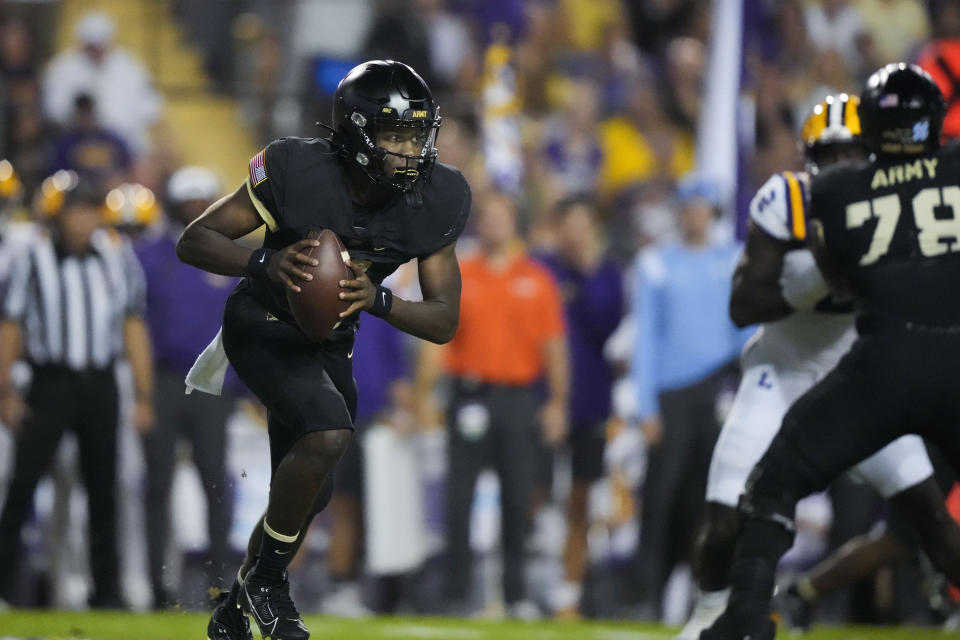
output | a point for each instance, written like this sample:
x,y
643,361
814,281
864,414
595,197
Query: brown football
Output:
x,y
318,306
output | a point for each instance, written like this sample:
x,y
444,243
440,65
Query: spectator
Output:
x,y
75,301
685,59
571,153
655,21
685,344
511,334
593,303
838,25
895,27
453,57
789,46
30,141
96,154
641,143
18,65
123,95
588,23
211,28
19,84
533,56
941,59
396,33
184,311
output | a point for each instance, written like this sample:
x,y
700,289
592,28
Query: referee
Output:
x,y
74,305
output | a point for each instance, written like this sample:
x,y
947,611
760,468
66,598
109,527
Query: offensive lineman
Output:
x,y
887,231
803,334
378,186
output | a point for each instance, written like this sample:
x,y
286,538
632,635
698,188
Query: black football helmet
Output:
x,y
379,94
901,111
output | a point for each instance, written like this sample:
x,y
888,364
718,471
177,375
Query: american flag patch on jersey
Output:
x,y
258,172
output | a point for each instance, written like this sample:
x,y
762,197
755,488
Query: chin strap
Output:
x,y
324,125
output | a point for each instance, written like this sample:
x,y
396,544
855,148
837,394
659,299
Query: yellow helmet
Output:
x,y
10,186
834,120
49,198
831,133
131,205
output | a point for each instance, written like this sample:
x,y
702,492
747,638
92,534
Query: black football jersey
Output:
x,y
299,186
893,228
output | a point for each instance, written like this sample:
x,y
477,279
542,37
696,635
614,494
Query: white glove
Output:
x,y
801,283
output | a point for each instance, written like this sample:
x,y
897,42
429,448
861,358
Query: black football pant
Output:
x,y
85,402
201,419
891,383
490,425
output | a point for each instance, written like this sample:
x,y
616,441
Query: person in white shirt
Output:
x,y
121,87
838,25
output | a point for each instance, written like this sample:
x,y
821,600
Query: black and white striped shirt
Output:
x,y
73,307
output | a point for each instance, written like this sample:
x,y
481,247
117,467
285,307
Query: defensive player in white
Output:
x,y
803,334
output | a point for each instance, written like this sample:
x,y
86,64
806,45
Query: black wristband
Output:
x,y
259,261
382,302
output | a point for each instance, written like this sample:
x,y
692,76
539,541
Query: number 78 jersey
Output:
x,y
893,229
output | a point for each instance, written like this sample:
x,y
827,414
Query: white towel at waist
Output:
x,y
208,371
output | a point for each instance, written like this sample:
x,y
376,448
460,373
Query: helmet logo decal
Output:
x,y
360,120
421,113
921,130
362,159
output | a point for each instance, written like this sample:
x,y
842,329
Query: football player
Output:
x,y
803,333
375,183
886,230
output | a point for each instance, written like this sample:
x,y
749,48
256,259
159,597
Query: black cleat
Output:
x,y
228,621
732,627
796,611
272,609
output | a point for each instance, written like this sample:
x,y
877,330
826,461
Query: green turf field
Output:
x,y
192,626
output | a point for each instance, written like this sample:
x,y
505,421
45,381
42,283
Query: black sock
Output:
x,y
754,568
276,550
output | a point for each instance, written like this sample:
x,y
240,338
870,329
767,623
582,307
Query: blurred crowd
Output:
x,y
551,460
